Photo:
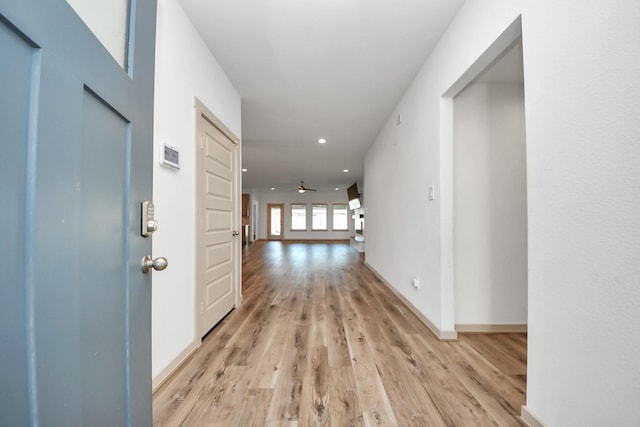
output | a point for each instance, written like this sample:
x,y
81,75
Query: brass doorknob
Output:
x,y
157,264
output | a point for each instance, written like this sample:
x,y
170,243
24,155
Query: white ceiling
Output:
x,y
307,69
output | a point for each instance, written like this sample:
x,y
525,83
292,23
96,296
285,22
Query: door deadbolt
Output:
x,y
148,222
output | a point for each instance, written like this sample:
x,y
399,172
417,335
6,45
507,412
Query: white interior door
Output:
x,y
217,219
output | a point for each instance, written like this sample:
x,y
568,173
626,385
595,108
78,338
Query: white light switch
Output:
x,y
432,192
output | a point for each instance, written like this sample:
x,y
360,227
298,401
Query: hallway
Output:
x,y
319,340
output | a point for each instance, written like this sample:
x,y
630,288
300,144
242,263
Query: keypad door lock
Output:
x,y
148,223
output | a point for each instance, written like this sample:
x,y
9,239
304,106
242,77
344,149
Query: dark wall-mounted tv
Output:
x,y
352,192
354,196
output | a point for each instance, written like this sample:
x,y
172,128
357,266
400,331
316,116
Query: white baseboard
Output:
x,y
440,334
173,366
528,417
490,328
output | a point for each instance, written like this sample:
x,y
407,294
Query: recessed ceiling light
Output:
x,y
322,141
345,170
337,189
272,188
244,170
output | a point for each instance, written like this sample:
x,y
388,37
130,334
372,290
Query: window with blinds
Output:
x,y
319,217
298,217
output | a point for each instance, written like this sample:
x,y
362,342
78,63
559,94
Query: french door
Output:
x,y
275,221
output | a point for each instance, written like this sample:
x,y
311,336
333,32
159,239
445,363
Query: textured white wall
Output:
x,y
328,197
490,205
582,97
185,69
582,86
403,227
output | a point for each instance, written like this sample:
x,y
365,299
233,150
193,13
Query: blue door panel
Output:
x,y
56,240
103,227
76,135
15,86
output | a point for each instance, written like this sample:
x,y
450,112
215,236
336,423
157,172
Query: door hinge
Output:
x,y
201,308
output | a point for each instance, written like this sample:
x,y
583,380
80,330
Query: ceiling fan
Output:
x,y
302,188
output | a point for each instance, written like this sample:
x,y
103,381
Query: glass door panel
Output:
x,y
275,221
109,22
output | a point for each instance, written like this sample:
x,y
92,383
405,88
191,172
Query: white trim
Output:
x,y
528,417
447,249
490,328
441,335
493,52
173,366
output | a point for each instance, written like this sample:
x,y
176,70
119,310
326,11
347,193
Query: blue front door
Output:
x,y
75,165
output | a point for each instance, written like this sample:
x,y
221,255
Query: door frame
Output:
x,y
269,235
510,34
254,221
468,241
202,110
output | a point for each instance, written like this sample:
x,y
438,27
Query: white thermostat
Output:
x,y
169,156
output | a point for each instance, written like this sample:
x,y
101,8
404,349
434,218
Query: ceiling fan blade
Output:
x,y
302,188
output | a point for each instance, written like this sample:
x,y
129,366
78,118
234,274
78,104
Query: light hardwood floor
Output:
x,y
319,340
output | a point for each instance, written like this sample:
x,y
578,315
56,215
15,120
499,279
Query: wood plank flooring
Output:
x,y
320,341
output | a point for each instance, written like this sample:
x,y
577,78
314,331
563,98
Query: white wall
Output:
x,y
403,227
490,205
582,92
185,69
582,96
329,197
